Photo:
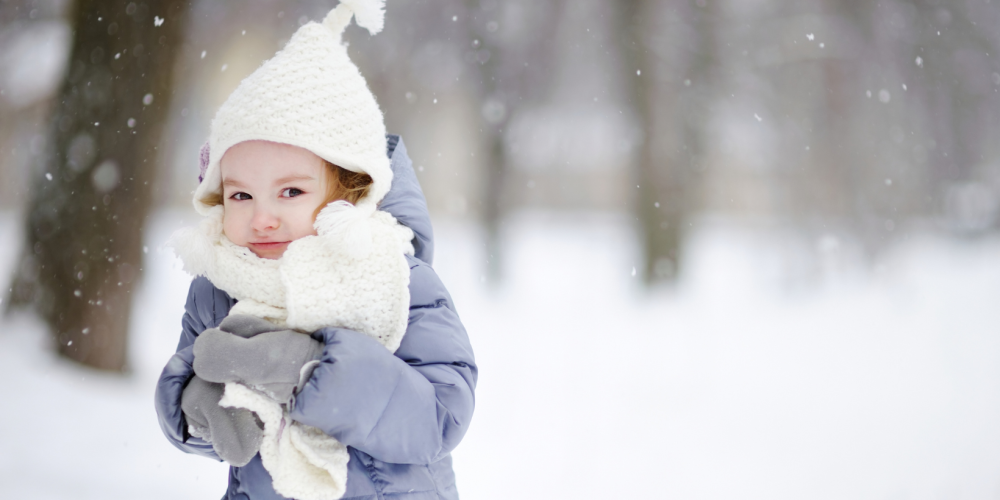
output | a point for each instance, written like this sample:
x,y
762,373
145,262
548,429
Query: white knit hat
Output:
x,y
312,96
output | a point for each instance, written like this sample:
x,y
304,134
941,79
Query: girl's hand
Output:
x,y
253,352
233,432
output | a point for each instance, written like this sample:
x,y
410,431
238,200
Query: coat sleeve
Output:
x,y
409,408
178,372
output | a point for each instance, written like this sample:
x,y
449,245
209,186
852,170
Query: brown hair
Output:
x,y
213,199
341,184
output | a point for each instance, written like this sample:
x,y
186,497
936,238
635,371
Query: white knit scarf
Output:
x,y
352,274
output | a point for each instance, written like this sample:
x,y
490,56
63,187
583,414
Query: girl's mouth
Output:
x,y
269,249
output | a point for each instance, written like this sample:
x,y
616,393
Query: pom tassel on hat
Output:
x,y
369,14
347,227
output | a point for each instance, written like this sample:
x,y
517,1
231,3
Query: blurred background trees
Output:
x,y
844,122
90,191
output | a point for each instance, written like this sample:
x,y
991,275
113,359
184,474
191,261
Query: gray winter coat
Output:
x,y
400,414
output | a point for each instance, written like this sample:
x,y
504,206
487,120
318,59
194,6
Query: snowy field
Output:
x,y
763,375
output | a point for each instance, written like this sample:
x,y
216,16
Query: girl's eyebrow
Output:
x,y
283,180
292,178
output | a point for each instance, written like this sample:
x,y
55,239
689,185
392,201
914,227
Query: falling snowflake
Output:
x,y
158,21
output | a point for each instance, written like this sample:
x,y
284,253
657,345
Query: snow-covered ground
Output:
x,y
745,381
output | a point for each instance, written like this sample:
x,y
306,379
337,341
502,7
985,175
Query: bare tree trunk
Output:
x,y
660,208
671,119
495,205
83,249
503,84
495,111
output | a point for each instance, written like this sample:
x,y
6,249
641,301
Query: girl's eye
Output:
x,y
241,196
291,192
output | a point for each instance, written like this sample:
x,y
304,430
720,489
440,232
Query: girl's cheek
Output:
x,y
233,222
227,223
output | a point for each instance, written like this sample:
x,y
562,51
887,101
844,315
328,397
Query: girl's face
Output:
x,y
270,192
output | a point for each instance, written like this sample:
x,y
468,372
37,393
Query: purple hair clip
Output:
x,y
203,158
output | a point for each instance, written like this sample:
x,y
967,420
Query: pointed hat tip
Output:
x,y
369,14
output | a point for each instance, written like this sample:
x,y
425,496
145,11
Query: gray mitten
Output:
x,y
253,352
234,432
246,326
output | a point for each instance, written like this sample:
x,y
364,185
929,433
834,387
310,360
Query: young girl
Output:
x,y
320,354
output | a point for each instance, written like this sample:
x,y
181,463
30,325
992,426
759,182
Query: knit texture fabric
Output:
x,y
312,96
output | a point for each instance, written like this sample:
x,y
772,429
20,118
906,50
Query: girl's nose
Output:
x,y
264,218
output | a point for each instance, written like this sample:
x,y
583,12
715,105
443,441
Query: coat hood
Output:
x,y
405,200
